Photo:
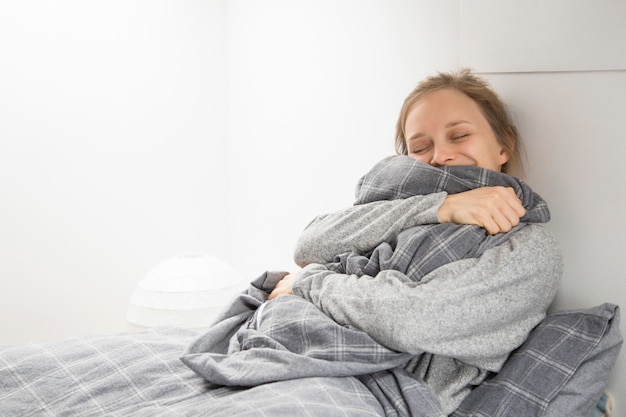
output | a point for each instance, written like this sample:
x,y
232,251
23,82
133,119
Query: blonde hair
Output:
x,y
492,107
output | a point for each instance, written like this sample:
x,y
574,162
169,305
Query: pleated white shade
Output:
x,y
184,291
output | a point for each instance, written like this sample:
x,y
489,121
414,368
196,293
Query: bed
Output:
x,y
285,357
561,369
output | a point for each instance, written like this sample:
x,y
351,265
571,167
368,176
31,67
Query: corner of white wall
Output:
x,y
113,132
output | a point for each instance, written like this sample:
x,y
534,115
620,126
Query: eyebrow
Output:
x,y
448,125
456,123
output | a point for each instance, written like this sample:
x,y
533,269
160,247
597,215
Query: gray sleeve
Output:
x,y
475,310
363,227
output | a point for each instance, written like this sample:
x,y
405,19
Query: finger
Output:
x,y
491,226
509,205
515,203
510,216
503,223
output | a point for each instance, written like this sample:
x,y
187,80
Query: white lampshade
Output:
x,y
184,291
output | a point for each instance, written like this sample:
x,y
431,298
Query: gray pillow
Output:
x,y
561,369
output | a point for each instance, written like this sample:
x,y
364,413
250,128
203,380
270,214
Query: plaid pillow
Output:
x,y
561,369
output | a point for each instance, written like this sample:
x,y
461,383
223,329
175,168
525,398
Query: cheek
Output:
x,y
421,158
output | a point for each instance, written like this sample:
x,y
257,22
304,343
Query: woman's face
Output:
x,y
446,127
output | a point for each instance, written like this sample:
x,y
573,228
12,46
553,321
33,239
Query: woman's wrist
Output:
x,y
444,214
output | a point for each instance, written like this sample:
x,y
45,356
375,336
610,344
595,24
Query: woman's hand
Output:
x,y
497,209
283,287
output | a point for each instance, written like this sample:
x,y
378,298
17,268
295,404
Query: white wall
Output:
x,y
315,90
112,135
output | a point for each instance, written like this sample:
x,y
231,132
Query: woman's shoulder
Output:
x,y
538,233
537,244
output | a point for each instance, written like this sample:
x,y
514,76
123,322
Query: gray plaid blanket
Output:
x,y
285,358
421,249
289,341
258,342
140,375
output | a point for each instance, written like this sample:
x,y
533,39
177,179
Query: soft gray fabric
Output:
x,y
468,314
399,177
472,310
560,370
418,250
382,211
362,227
298,330
116,375
583,391
140,375
289,339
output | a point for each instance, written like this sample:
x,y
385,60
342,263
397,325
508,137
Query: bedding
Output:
x,y
561,369
286,357
257,342
291,338
298,339
418,250
140,374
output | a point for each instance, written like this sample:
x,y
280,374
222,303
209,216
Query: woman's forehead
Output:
x,y
449,107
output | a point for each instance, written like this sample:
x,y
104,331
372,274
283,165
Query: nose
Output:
x,y
442,155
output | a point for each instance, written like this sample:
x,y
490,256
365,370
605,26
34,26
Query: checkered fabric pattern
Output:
x,y
548,364
286,358
400,176
288,339
421,249
140,374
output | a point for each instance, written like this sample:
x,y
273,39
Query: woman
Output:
x,y
469,314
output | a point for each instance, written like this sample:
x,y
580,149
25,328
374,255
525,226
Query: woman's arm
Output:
x,y
363,227
474,310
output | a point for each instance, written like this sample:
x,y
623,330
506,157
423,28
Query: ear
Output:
x,y
503,157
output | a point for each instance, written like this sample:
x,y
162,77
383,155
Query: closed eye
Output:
x,y
458,137
420,151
